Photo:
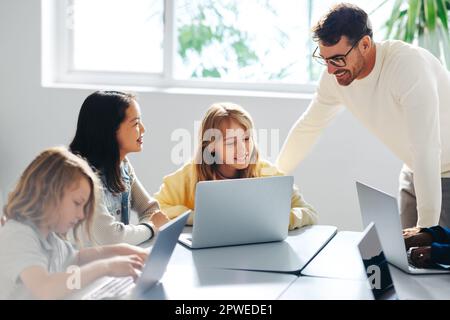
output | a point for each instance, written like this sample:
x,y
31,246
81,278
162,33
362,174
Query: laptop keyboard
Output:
x,y
114,288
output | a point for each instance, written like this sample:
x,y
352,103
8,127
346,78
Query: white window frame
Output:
x,y
57,66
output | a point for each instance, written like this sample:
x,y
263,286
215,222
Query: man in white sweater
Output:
x,y
399,92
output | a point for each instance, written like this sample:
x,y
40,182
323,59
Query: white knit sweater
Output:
x,y
405,102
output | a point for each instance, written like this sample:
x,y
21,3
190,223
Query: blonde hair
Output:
x,y
214,117
42,185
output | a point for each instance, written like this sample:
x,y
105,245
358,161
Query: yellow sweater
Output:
x,y
176,195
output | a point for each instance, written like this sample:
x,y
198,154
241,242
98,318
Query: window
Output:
x,y
235,44
117,35
252,40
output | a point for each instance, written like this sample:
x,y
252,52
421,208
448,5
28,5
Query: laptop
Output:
x,y
153,270
240,211
375,265
382,209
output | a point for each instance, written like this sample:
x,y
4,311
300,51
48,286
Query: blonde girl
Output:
x,y
227,150
55,194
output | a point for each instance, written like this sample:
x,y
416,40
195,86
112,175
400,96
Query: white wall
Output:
x,y
32,118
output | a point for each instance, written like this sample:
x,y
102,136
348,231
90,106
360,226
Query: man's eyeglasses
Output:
x,y
337,61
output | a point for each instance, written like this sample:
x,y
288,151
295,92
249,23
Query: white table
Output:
x,y
192,283
336,272
339,259
316,288
289,256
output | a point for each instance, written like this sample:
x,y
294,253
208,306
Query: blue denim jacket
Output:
x,y
119,204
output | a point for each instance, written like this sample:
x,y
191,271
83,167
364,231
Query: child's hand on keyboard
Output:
x,y
124,249
123,266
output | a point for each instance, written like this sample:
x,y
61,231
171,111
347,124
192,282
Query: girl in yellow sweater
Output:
x,y
227,150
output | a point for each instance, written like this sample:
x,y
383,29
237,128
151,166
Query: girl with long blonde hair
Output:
x,y
227,150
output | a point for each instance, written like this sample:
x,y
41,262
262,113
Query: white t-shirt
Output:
x,y
405,102
22,246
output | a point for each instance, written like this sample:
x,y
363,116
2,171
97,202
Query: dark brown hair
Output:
x,y
343,19
96,140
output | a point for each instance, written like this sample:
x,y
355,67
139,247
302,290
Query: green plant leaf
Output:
x,y
426,21
244,54
211,73
401,28
393,18
194,37
442,13
430,14
413,14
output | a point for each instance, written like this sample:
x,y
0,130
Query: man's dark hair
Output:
x,y
343,19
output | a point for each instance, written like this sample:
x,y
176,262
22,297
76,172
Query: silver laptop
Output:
x,y
240,211
376,266
382,209
153,270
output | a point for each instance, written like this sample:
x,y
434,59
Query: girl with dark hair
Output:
x,y
110,127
